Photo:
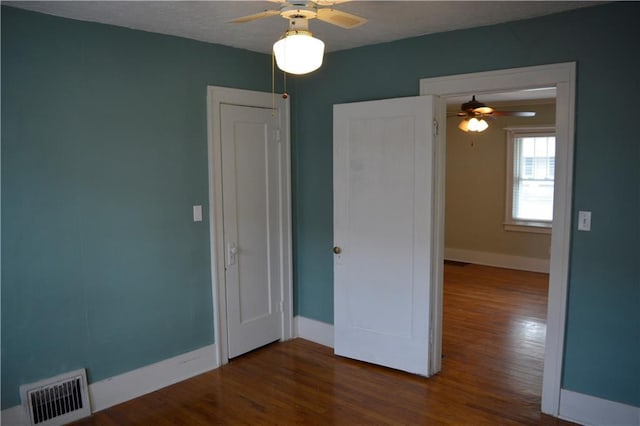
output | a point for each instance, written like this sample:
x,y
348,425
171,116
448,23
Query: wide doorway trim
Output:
x,y
561,76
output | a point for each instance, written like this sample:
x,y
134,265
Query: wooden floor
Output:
x,y
493,345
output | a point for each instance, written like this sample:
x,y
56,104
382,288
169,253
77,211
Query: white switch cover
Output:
x,y
197,213
584,221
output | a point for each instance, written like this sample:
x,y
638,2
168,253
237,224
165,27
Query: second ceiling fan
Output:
x,y
475,112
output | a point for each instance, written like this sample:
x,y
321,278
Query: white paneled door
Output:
x,y
250,154
383,206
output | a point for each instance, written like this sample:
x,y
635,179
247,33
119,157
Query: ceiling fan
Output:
x,y
323,10
298,52
475,112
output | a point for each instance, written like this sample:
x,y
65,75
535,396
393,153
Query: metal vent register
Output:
x,y
58,400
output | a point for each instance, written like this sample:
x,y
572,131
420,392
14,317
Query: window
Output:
x,y
531,161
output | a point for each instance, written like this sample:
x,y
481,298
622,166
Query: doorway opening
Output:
x,y
496,272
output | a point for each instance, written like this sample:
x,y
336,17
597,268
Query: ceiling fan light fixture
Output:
x,y
476,125
298,52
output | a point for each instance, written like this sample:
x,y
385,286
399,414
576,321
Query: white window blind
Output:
x,y
531,156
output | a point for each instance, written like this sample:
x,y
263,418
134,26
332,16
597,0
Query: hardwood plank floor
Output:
x,y
493,346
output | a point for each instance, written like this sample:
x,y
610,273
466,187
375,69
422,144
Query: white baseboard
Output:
x,y
124,387
118,389
316,331
500,260
13,416
589,410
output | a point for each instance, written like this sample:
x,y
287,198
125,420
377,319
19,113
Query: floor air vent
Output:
x,y
58,400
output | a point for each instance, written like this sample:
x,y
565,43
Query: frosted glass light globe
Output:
x,y
299,52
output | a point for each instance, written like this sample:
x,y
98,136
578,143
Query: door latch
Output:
x,y
232,251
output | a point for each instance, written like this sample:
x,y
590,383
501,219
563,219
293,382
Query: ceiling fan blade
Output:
x,y
255,16
514,113
328,2
483,110
339,18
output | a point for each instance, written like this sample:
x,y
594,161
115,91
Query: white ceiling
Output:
x,y
208,20
505,99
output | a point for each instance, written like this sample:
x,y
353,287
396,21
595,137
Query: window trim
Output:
x,y
511,224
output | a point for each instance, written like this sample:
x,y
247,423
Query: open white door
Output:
x,y
383,208
250,152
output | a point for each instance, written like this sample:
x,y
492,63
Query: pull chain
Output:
x,y
273,85
285,95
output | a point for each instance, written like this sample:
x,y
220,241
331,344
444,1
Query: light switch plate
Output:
x,y
584,221
197,213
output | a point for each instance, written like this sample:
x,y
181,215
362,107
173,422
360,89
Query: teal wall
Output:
x,y
602,356
104,151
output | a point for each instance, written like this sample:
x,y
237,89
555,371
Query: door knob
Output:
x,y
337,250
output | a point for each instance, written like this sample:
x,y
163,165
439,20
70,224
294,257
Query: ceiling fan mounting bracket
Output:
x,y
299,12
474,107
298,25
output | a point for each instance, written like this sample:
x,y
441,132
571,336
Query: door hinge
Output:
x,y
430,336
435,128
281,306
277,135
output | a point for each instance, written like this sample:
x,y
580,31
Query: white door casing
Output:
x,y
383,181
561,76
266,218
